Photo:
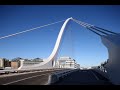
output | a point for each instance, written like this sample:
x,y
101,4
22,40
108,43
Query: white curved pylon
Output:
x,y
54,52
47,63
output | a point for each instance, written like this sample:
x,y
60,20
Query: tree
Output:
x,y
6,62
27,60
37,59
16,59
104,63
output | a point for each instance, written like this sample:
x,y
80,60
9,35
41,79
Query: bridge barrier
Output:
x,y
56,76
7,71
102,72
26,70
2,73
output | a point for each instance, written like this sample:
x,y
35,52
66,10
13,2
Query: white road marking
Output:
x,y
94,75
23,79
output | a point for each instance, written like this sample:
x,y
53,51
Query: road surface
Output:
x,y
31,78
79,77
84,77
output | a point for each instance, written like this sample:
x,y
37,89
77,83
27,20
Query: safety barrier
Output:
x,y
26,70
56,76
103,72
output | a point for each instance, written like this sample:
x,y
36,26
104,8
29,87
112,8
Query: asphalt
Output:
x,y
83,77
79,77
33,78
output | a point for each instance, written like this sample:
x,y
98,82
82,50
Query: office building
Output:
x,y
67,62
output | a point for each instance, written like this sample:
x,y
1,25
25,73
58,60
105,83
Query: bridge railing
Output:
x,y
26,70
102,71
56,76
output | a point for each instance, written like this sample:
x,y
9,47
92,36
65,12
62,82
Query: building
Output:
x,y
2,63
77,65
7,63
32,61
67,62
15,64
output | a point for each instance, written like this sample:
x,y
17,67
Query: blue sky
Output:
x,y
87,48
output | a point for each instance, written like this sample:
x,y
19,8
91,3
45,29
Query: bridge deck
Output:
x,y
84,77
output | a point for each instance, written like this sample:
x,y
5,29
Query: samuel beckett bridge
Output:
x,y
54,75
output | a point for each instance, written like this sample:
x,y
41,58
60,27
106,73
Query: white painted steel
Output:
x,y
112,42
47,63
